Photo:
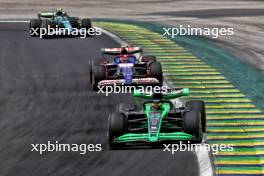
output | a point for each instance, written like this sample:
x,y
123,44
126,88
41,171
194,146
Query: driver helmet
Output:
x,y
124,50
156,104
59,12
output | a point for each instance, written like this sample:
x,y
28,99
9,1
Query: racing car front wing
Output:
x,y
135,81
144,137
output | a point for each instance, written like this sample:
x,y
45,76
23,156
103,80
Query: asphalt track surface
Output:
x,y
45,96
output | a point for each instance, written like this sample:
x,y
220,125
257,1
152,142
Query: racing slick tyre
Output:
x,y
86,23
192,124
117,126
45,24
148,58
199,106
156,71
97,74
34,24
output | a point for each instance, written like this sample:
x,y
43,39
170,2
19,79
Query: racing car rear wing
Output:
x,y
170,94
46,14
117,51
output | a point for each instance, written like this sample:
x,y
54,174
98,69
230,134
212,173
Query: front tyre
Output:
x,y
97,74
117,126
86,23
200,107
192,124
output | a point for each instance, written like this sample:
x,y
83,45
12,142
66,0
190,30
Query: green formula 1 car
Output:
x,y
159,120
58,18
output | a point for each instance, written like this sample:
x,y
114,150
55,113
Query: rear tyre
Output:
x,y
200,107
192,124
156,71
117,126
86,23
149,58
34,26
45,24
97,74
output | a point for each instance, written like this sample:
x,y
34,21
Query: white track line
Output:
x,y
13,21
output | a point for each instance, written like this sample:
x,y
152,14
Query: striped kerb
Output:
x,y
232,117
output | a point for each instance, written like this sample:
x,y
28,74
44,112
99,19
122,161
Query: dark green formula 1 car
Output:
x,y
58,18
159,120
